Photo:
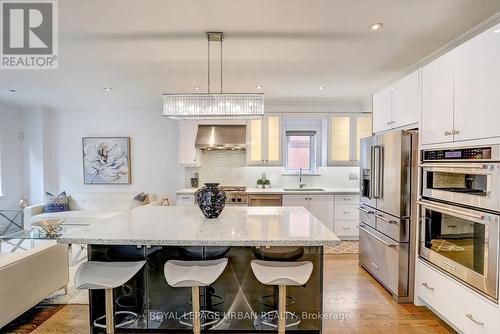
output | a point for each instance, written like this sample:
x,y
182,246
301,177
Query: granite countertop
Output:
x,y
327,191
186,226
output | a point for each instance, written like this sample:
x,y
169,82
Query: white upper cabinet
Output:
x,y
188,155
264,141
382,110
406,100
437,100
477,87
397,105
461,92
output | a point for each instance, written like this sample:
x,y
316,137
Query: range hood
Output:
x,y
221,137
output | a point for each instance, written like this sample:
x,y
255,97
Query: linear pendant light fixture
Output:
x,y
213,105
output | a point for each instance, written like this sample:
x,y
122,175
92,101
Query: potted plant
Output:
x,y
266,183
260,183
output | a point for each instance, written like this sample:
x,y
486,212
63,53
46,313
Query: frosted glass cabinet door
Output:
x,y
274,140
254,142
340,138
363,129
264,141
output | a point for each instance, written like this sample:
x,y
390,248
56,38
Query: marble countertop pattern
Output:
x,y
186,226
327,191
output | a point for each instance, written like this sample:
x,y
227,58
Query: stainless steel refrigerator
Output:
x,y
388,220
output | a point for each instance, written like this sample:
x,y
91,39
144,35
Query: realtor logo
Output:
x,y
29,34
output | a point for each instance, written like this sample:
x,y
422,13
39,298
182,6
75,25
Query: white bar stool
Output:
x,y
95,275
193,274
282,274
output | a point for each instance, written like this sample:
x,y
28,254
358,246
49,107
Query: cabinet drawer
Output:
x,y
463,308
348,228
346,212
346,199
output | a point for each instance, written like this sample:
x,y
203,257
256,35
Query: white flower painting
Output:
x,y
106,160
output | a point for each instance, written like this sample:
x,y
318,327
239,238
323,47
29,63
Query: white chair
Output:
x,y
282,274
95,275
195,274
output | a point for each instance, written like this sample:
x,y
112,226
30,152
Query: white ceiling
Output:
x,y
145,48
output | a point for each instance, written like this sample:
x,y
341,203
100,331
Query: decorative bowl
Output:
x,y
50,227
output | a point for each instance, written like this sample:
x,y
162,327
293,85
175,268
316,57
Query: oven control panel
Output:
x,y
476,153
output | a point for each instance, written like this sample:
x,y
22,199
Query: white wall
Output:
x,y
33,154
154,146
10,156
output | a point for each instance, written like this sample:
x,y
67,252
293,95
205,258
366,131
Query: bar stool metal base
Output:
x,y
269,300
134,315
271,319
206,318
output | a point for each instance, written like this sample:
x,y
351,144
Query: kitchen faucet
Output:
x,y
301,185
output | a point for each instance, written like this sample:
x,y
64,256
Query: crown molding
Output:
x,y
481,27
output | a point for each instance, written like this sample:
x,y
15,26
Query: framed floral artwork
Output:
x,y
106,160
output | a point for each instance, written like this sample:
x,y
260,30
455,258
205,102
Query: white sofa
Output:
x,y
29,276
86,207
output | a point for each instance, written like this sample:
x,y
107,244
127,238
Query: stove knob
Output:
x,y
233,199
239,199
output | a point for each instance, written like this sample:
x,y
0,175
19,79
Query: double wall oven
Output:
x,y
460,214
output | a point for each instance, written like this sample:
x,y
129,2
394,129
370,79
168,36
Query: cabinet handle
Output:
x,y
346,212
455,132
452,267
447,133
471,318
426,285
346,228
373,264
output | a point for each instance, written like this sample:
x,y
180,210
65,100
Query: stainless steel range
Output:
x,y
460,214
236,195
388,219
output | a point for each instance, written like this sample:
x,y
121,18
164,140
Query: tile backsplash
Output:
x,y
229,168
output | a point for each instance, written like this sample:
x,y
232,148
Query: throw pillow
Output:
x,y
57,203
140,199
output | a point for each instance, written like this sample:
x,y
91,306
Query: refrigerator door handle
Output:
x,y
370,190
377,164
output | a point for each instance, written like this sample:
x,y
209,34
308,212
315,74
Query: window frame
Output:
x,y
313,161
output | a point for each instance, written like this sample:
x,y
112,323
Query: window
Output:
x,y
301,151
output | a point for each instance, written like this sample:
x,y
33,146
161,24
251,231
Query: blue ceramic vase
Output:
x,y
211,200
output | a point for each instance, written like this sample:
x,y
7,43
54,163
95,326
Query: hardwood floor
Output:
x,y
354,301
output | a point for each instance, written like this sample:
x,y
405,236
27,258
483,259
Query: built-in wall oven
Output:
x,y
460,214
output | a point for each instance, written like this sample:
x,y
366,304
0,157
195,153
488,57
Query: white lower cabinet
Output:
x,y
321,206
346,217
463,308
185,200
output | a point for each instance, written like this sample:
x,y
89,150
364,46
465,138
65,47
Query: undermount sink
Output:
x,y
304,189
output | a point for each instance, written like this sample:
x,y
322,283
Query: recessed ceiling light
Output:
x,y
321,87
12,90
108,89
376,26
197,88
496,31
259,87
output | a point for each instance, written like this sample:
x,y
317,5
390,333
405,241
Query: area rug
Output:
x,y
31,319
345,247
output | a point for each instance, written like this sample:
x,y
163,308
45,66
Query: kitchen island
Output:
x,y
241,234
